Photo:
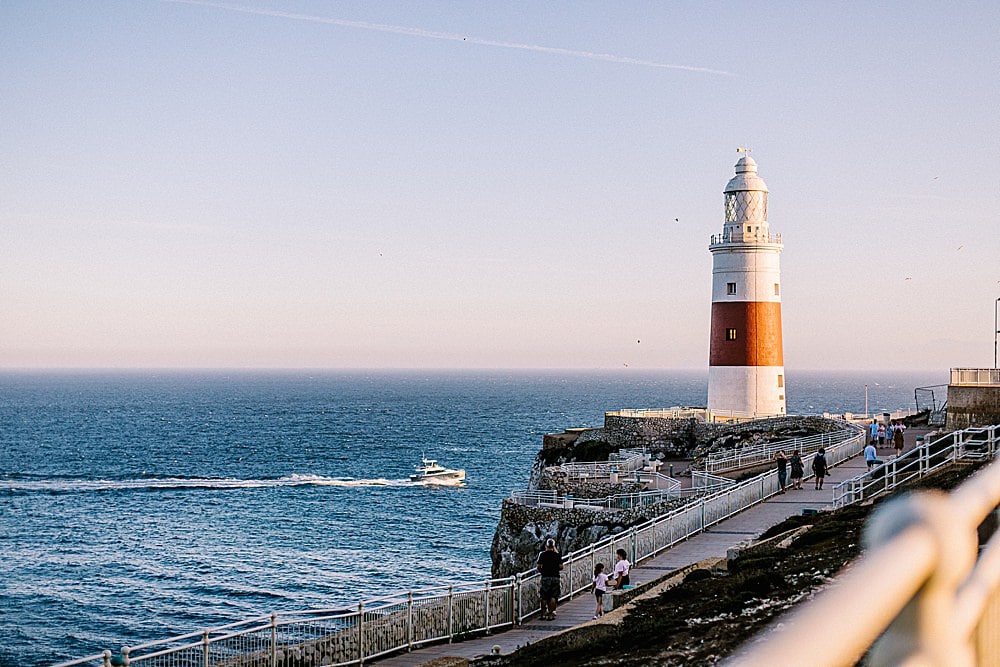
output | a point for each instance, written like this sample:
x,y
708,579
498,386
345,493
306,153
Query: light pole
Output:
x,y
866,401
996,330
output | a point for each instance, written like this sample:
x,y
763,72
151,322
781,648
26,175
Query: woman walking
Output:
x,y
819,467
795,463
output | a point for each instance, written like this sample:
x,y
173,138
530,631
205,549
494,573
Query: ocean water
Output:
x,y
137,506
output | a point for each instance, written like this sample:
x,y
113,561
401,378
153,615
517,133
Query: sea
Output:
x,y
141,505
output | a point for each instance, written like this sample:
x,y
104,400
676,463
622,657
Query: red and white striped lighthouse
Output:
x,y
746,375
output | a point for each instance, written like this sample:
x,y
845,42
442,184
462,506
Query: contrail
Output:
x,y
430,34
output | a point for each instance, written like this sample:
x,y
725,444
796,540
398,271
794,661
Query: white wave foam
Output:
x,y
209,483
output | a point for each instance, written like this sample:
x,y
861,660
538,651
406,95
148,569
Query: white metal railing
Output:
x,y
705,480
663,413
667,489
923,592
972,443
743,457
730,236
624,460
975,376
350,636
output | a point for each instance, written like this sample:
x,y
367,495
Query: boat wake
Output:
x,y
153,483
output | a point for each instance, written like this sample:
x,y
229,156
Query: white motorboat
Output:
x,y
431,471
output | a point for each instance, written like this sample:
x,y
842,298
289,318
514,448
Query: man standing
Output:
x,y
549,564
782,461
873,430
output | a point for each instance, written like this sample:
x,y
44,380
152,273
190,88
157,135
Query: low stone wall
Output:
x,y
522,530
688,436
556,479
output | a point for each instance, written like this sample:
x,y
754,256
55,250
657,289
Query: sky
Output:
x,y
314,184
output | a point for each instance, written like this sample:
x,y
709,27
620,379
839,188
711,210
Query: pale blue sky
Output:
x,y
194,185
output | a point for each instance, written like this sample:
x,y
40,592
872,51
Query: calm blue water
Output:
x,y
140,505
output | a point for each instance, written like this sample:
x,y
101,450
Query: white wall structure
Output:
x,y
746,363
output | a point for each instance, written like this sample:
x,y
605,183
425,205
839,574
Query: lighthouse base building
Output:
x,y
746,377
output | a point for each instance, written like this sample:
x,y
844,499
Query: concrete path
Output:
x,y
712,543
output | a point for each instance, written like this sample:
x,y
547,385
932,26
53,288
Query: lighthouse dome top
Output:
x,y
746,177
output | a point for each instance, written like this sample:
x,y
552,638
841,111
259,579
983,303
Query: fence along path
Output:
x,y
376,628
923,592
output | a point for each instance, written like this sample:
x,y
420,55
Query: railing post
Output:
x,y
486,606
107,658
409,621
204,644
126,660
451,613
518,596
361,633
274,639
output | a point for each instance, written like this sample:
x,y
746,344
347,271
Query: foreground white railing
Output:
x,y
351,636
923,593
744,457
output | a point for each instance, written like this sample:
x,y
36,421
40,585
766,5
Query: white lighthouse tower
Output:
x,y
746,375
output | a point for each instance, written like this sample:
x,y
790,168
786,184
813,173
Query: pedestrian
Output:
x,y
549,564
897,438
782,461
600,588
622,567
881,435
819,467
873,430
795,463
871,456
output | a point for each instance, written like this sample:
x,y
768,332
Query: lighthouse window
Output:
x,y
781,380
730,288
731,334
776,292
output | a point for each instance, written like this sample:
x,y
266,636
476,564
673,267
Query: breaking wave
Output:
x,y
158,483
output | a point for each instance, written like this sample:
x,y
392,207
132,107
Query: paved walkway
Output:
x,y
712,543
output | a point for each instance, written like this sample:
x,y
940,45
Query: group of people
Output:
x,y
881,435
794,465
549,565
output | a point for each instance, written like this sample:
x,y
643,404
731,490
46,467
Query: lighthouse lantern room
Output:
x,y
746,377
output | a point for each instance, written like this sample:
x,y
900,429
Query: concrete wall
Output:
x,y
972,406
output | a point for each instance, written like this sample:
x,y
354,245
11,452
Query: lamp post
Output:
x,y
996,330
866,401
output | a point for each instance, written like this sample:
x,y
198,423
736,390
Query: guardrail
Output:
x,y
975,377
975,443
668,490
345,636
626,460
744,457
704,480
663,413
923,592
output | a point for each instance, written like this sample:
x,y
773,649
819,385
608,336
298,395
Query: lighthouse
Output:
x,y
746,375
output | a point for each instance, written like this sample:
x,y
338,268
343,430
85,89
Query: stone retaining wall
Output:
x,y
522,530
